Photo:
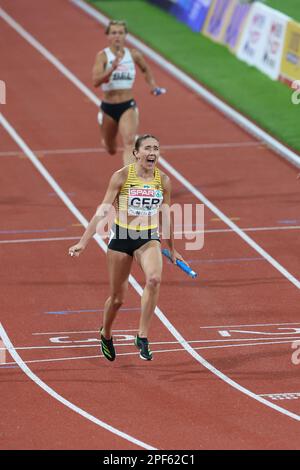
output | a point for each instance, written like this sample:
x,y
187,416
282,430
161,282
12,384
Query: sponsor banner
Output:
x,y
269,59
254,34
236,24
192,12
262,39
217,19
290,63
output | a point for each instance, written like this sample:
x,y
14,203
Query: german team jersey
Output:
x,y
140,199
123,77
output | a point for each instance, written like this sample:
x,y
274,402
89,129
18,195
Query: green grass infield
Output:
x,y
264,101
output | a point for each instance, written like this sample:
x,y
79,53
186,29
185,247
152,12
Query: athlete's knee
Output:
x,y
117,300
111,151
153,281
110,148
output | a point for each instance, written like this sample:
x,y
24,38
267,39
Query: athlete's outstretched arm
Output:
x,y
102,211
145,69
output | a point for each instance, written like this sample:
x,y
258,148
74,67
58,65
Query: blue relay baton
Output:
x,y
158,91
180,264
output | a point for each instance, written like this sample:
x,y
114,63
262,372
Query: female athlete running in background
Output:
x,y
115,71
139,192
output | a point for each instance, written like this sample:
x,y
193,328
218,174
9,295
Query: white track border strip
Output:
x,y
74,151
69,75
83,221
185,345
50,57
61,399
74,358
228,222
37,240
208,96
214,231
153,343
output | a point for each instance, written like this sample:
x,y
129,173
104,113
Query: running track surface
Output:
x,y
51,304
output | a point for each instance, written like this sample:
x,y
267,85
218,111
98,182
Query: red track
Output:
x,y
181,404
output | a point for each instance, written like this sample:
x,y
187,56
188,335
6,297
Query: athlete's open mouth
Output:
x,y
151,159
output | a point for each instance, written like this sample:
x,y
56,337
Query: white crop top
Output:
x,y
123,77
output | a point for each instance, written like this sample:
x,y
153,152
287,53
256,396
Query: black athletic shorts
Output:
x,y
127,240
115,110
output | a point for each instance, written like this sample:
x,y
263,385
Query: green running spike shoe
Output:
x,y
143,345
107,347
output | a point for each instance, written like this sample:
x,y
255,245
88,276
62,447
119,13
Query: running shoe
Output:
x,y
107,347
143,345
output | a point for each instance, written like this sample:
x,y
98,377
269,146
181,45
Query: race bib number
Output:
x,y
144,201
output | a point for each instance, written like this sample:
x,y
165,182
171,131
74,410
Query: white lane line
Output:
x,y
208,96
167,166
36,240
212,145
247,229
63,400
255,324
77,332
67,201
225,346
153,343
28,37
282,396
186,232
163,162
75,151
50,57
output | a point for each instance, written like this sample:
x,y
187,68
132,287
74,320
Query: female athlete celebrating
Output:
x,y
115,71
138,192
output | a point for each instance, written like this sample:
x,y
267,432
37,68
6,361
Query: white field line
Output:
x,y
62,400
77,332
36,240
255,324
153,343
163,162
225,346
69,75
229,222
279,393
163,147
50,57
67,201
186,232
247,229
208,96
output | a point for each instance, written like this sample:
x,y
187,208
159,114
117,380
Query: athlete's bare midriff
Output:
x,y
117,96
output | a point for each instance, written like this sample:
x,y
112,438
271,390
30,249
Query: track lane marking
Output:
x,y
67,201
85,90
79,216
200,196
156,343
225,346
186,232
195,86
256,324
63,400
73,151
